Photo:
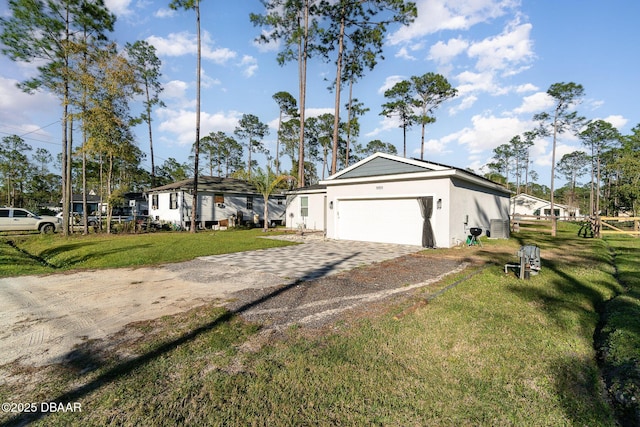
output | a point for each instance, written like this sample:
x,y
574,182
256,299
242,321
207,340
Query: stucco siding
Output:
x,y
474,206
396,194
315,211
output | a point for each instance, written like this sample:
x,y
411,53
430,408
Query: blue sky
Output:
x,y
501,55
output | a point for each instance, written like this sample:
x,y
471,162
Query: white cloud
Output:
x,y
185,43
16,107
437,15
535,103
315,112
206,81
470,82
386,124
527,87
487,132
444,52
181,123
543,158
165,13
512,47
269,46
404,54
249,64
389,82
435,147
616,120
175,89
119,7
466,103
175,44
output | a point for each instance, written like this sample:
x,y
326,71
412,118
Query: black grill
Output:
x,y
475,231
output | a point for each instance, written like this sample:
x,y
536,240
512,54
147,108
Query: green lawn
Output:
x,y
40,254
491,351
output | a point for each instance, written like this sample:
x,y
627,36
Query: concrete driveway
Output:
x,y
42,318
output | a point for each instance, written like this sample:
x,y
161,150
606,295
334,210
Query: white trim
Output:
x,y
418,163
397,177
387,196
413,176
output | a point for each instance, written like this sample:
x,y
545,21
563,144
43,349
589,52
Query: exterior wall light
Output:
x,y
331,204
439,203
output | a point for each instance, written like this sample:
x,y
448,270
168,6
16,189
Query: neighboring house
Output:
x,y
93,204
132,202
307,208
221,201
386,198
524,204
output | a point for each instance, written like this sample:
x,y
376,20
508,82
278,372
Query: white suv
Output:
x,y
16,219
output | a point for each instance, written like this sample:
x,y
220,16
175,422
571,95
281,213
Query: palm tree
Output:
x,y
265,182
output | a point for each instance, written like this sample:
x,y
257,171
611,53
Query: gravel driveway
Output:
x,y
42,318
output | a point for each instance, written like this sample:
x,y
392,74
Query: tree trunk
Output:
x,y
85,207
598,185
153,163
422,143
265,226
404,142
110,209
346,156
68,171
553,171
336,117
302,63
278,144
194,209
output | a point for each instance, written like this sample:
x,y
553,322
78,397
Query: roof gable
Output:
x,y
385,164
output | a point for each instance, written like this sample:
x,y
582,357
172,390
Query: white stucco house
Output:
x,y
386,198
307,208
221,201
525,204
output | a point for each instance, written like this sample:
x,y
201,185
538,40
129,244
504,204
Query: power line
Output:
x,y
32,139
40,128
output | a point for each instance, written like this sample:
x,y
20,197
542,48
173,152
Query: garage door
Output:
x,y
380,220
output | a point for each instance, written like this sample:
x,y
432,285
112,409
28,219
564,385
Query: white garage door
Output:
x,y
380,220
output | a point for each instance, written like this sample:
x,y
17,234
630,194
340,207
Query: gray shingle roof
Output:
x,y
210,183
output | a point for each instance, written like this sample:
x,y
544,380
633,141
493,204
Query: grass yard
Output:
x,y
41,254
491,351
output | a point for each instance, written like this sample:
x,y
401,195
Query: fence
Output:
x,y
589,226
537,222
624,225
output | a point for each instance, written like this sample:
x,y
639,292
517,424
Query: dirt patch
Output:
x,y
318,302
45,320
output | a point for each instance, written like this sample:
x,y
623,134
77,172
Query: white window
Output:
x,y
304,206
249,202
173,200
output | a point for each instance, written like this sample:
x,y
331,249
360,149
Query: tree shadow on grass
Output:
x,y
575,304
79,358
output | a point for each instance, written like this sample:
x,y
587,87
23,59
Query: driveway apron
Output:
x,y
314,259
42,318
